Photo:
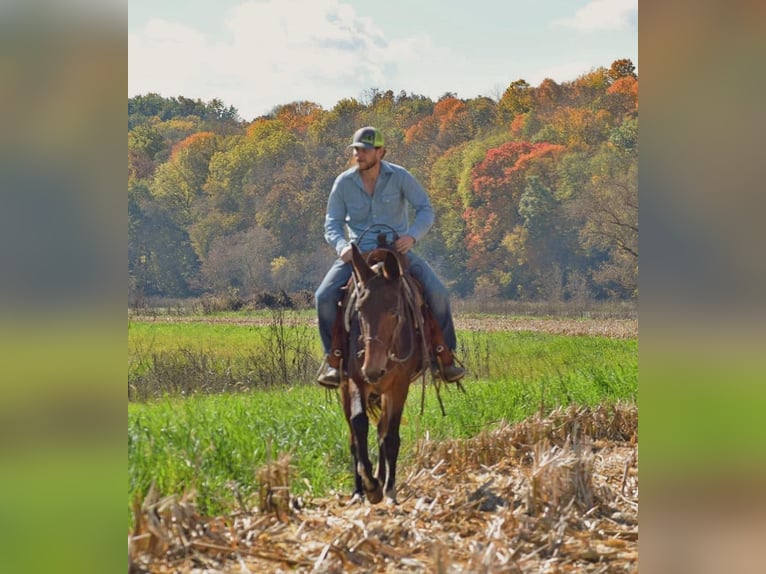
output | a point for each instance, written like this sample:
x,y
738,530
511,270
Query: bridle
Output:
x,y
401,320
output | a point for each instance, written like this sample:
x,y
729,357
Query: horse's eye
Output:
x,y
393,312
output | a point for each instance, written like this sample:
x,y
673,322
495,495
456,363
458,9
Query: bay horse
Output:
x,y
387,351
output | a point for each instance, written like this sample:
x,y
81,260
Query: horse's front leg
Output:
x,y
346,400
356,414
358,494
389,453
382,469
390,441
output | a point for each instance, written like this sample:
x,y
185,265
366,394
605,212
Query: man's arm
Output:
x,y
418,199
335,220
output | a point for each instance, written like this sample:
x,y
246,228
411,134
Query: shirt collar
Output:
x,y
385,167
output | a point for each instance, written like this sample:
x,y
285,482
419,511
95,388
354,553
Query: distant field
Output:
x,y
616,325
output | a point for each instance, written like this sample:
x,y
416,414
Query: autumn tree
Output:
x,y
588,89
145,144
179,182
483,111
493,221
154,108
623,68
607,209
160,259
547,96
239,178
297,116
241,261
516,100
444,244
622,97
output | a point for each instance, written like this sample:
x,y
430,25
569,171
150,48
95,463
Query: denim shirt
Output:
x,y
351,206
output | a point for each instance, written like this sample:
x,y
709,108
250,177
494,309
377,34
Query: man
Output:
x,y
378,192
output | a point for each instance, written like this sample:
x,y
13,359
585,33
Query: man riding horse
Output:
x,y
376,192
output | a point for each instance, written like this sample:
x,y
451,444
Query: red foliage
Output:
x,y
498,182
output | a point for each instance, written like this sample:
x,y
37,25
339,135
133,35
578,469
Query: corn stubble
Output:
x,y
555,493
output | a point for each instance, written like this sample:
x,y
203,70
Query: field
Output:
x,y
232,469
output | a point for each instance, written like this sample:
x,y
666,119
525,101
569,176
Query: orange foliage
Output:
x,y
194,141
448,109
517,125
444,126
298,116
256,126
425,130
626,89
547,95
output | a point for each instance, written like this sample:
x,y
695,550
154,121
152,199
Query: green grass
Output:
x,y
214,443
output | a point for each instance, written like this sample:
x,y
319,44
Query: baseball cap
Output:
x,y
367,137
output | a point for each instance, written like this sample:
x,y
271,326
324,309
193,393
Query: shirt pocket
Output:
x,y
389,203
358,208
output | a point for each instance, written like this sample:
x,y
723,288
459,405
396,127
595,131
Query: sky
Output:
x,y
259,54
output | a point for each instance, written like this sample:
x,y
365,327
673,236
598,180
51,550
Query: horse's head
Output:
x,y
380,308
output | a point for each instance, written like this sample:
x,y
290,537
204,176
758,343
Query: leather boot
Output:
x,y
448,370
329,377
331,374
445,361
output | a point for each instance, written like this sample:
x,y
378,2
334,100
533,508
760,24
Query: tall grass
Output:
x,y
213,442
186,358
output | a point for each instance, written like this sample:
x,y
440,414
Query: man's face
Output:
x,y
367,158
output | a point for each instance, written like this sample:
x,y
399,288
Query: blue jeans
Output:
x,y
329,293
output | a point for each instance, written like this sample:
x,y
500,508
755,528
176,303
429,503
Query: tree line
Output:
x,y
535,192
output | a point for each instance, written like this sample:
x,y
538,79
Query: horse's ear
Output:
x,y
391,268
363,271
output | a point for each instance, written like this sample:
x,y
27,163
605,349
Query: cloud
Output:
x,y
267,55
258,54
162,57
607,15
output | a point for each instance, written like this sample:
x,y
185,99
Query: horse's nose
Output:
x,y
373,375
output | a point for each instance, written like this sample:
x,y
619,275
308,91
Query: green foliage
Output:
x,y
516,100
153,106
625,136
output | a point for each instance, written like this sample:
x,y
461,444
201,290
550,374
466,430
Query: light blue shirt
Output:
x,y
351,208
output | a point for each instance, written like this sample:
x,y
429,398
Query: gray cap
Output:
x,y
367,137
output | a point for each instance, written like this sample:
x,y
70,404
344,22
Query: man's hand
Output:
x,y
404,243
345,255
